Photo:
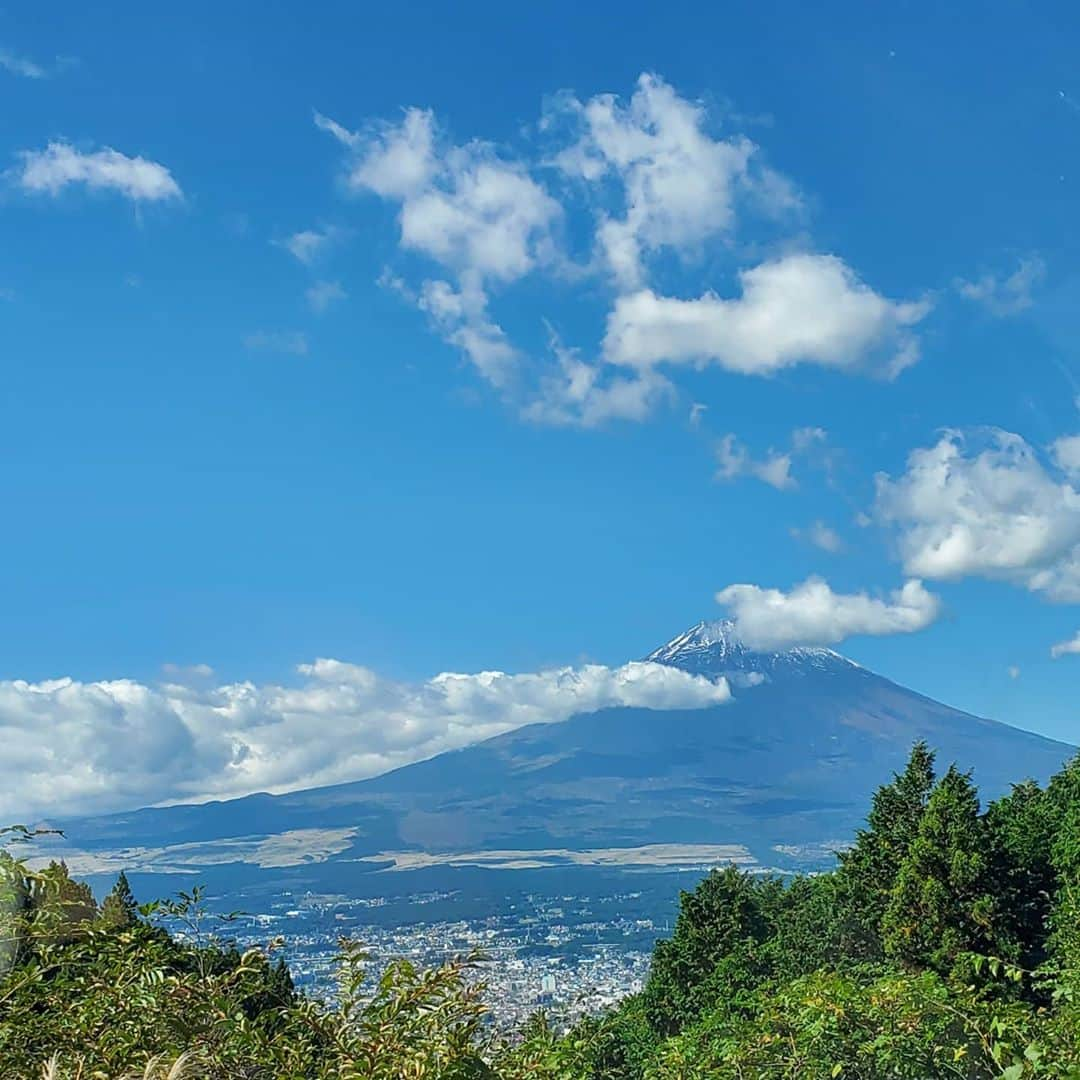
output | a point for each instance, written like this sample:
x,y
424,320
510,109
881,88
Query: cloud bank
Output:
x,y
72,747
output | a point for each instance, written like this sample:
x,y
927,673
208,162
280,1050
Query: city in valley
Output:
x,y
570,953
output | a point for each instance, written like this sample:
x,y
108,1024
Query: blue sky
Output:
x,y
286,377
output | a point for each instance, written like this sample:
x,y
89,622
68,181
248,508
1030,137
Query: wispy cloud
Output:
x,y
481,217
680,185
323,294
734,460
188,671
292,342
61,165
1066,648
822,536
655,187
24,68
21,66
1009,294
308,245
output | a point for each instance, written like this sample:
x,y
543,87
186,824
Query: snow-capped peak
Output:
x,y
713,647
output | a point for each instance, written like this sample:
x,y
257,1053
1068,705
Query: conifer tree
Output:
x,y
942,902
60,906
119,908
868,869
1020,829
720,924
1063,812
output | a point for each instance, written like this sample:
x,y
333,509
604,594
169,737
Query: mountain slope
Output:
x,y
789,764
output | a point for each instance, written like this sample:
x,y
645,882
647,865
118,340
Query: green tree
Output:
x,y
942,902
716,945
868,868
1021,828
908,1026
59,907
807,934
119,908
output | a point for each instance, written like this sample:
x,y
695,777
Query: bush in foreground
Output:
x,y
946,943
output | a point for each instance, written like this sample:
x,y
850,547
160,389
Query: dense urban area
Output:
x,y
570,954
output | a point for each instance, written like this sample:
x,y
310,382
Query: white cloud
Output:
x,y
482,217
994,512
60,165
796,309
1013,671
1066,648
490,219
463,206
187,671
72,747
292,342
679,185
338,131
653,179
821,536
25,68
1006,295
1066,454
308,245
805,439
812,614
396,161
324,293
580,394
462,319
733,459
21,66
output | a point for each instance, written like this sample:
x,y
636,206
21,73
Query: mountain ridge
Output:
x,y
788,763
713,646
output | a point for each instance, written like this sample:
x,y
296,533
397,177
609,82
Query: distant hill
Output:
x,y
783,772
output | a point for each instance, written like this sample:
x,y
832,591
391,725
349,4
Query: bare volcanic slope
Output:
x,y
785,768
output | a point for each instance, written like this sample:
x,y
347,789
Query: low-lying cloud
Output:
x,y
72,747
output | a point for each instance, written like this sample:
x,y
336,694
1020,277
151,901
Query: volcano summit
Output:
x,y
781,772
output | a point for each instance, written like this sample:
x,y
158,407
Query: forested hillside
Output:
x,y
946,943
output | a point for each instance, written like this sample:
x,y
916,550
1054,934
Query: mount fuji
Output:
x,y
778,776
